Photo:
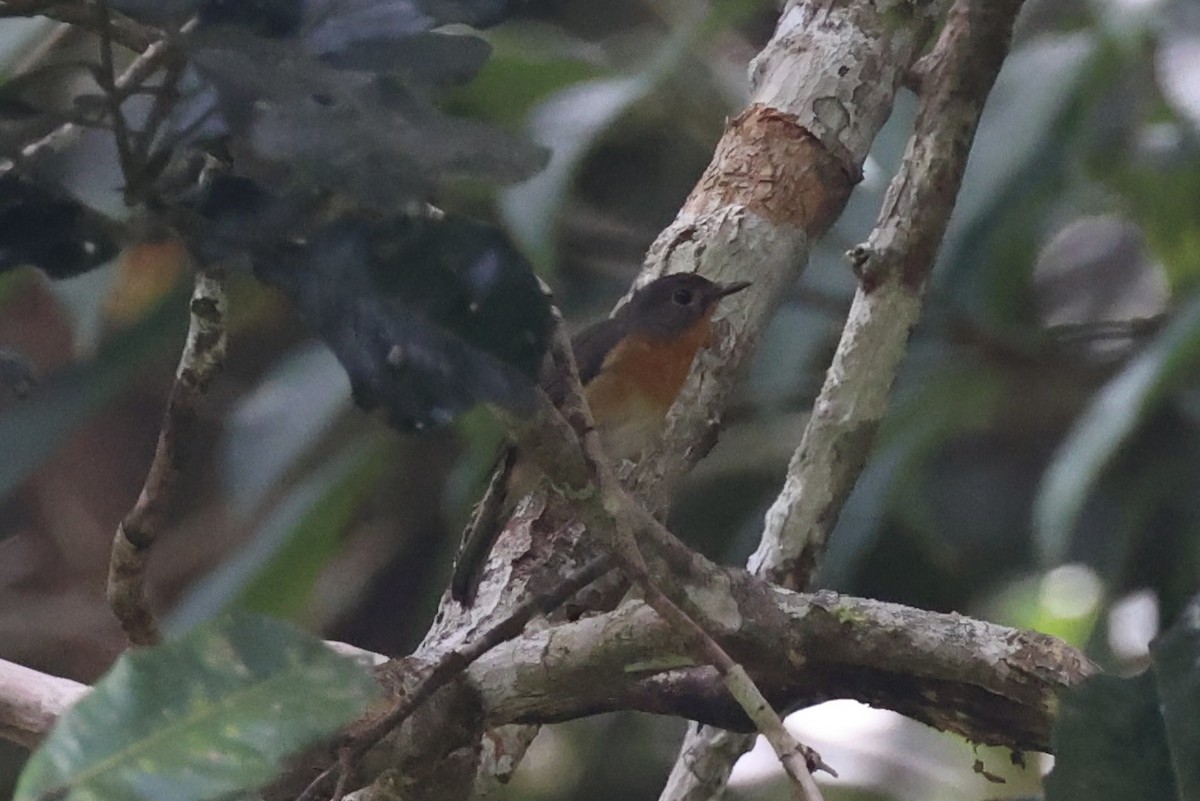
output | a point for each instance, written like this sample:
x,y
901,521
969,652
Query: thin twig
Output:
x,y
629,517
107,79
345,763
165,97
139,70
452,663
202,357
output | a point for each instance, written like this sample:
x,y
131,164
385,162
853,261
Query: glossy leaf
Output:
x,y
208,716
1109,421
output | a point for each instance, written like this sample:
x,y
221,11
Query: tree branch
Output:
x,y
989,683
202,357
628,519
30,702
894,264
821,89
448,667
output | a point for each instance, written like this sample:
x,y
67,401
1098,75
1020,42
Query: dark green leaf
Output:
x,y
1110,744
1177,670
208,716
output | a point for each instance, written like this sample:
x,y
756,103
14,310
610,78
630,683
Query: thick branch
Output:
x,y
30,702
202,357
615,518
956,78
990,683
821,89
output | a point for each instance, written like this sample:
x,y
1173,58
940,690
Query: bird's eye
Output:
x,y
683,297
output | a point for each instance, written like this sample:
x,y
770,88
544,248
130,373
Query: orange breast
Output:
x,y
637,384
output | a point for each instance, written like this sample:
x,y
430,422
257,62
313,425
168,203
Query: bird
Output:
x,y
632,366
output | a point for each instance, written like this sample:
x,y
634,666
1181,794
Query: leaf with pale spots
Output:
x,y
211,715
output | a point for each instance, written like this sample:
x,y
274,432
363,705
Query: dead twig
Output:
x,y
106,77
202,357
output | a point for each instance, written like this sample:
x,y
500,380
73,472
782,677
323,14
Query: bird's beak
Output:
x,y
725,290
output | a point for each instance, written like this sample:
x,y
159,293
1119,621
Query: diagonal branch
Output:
x,y
106,77
894,266
202,357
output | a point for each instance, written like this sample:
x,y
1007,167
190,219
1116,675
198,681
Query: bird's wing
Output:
x,y
591,346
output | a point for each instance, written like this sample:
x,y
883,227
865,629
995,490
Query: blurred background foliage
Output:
x,y
1040,468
